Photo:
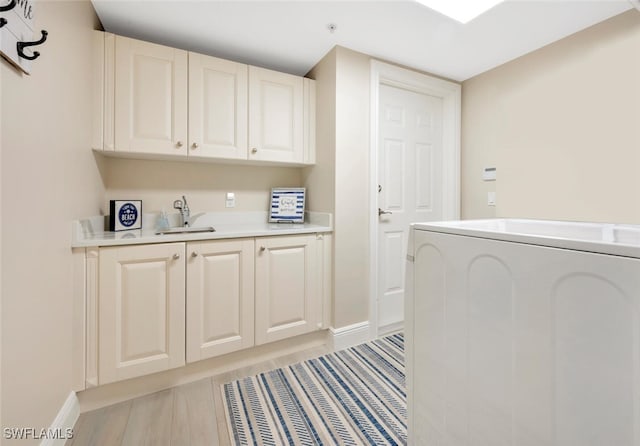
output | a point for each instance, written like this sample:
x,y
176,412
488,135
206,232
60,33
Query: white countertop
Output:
x,y
90,232
602,238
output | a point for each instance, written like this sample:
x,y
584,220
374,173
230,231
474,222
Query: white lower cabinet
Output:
x,y
141,310
287,287
219,297
163,305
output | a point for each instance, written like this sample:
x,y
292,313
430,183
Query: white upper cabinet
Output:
x,y
153,101
217,107
275,116
150,98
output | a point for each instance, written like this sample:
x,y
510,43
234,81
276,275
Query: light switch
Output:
x,y
491,198
489,174
230,201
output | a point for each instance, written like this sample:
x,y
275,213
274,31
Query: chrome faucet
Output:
x,y
183,207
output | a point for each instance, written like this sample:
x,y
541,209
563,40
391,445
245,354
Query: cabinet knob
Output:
x,y
262,249
254,150
179,144
194,254
176,256
194,145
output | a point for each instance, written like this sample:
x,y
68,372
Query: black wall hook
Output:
x,y
12,4
22,45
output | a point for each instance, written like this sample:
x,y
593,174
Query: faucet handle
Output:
x,y
184,200
177,204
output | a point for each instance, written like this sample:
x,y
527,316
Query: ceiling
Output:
x,y
292,36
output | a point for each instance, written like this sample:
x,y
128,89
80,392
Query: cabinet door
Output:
x,y
150,98
141,310
275,116
217,107
287,300
219,297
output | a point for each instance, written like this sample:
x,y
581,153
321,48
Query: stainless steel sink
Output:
x,y
185,230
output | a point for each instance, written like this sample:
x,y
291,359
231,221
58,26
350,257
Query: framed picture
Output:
x,y
287,205
125,215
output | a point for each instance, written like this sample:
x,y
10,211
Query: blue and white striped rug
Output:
x,y
351,397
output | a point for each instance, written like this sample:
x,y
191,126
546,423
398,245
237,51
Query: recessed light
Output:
x,y
461,10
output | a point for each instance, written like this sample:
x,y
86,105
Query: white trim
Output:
x,y
385,330
451,93
350,335
66,419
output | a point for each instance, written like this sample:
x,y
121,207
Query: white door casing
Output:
x,y
415,124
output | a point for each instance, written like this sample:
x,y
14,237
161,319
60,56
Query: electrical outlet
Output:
x,y
230,201
491,198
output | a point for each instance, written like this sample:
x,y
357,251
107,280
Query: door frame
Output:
x,y
451,94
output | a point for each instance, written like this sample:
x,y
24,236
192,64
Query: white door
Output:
x,y
410,187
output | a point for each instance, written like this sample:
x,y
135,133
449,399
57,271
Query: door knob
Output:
x,y
179,144
176,256
381,212
194,254
194,145
254,150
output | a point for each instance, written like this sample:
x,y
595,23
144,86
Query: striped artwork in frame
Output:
x,y
287,205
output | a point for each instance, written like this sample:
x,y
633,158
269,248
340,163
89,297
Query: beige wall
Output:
x,y
159,183
320,179
48,179
562,126
339,182
1,329
351,237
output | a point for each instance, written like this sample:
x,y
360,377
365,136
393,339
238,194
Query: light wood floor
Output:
x,y
191,414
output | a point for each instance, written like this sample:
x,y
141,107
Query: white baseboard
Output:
x,y
391,328
350,335
64,422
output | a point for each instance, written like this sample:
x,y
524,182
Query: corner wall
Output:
x,y
561,125
320,178
351,237
49,177
339,181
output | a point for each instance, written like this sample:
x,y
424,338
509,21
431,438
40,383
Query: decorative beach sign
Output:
x,y
125,215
